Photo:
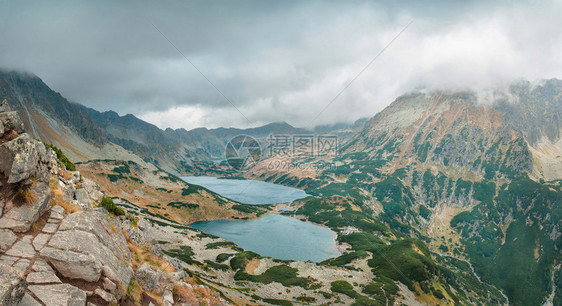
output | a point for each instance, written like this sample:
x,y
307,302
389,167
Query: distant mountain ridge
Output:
x,y
476,180
89,134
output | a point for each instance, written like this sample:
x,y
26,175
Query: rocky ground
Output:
x,y
204,252
58,248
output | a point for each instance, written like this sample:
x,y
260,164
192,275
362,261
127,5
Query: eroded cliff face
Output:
x,y
58,248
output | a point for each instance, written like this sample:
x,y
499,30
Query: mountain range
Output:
x,y
459,191
88,134
478,179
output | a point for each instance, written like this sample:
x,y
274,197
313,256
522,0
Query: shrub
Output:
x,y
61,157
223,257
344,287
108,204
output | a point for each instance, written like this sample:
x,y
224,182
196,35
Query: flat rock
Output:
x,y
40,265
109,285
28,300
147,277
96,222
22,248
7,238
57,209
83,198
50,228
42,278
59,294
40,240
8,260
12,285
20,218
89,232
22,265
106,296
72,264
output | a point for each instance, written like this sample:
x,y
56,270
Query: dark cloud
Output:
x,y
276,60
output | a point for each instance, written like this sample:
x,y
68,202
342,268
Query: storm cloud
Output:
x,y
274,60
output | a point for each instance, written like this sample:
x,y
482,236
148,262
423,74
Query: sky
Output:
x,y
274,60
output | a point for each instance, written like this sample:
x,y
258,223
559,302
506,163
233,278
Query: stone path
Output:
x,y
45,287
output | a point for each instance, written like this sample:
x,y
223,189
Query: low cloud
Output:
x,y
274,62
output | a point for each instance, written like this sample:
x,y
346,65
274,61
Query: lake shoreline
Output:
x,y
340,248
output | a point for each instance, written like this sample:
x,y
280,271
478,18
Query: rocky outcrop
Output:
x,y
12,285
20,160
66,254
25,166
87,246
59,294
147,277
11,121
20,217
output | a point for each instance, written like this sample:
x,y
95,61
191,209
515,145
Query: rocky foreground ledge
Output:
x,y
58,248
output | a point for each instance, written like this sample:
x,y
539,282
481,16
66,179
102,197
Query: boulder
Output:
x,y
147,278
168,298
97,222
2,130
106,296
73,264
102,246
4,106
109,285
59,294
68,192
83,198
93,189
20,217
12,121
12,285
19,159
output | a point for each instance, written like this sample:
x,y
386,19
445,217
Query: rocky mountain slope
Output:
x,y
475,176
87,134
57,247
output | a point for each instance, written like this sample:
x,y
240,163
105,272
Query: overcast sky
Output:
x,y
275,60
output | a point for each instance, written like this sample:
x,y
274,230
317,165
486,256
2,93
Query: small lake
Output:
x,y
276,236
248,191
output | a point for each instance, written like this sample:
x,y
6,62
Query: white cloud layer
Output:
x,y
275,61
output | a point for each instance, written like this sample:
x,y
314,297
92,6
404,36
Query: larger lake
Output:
x,y
276,236
248,191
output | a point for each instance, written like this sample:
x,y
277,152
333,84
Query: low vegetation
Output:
x,y
61,157
110,206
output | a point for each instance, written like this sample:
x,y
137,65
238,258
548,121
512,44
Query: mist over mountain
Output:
x,y
464,184
86,133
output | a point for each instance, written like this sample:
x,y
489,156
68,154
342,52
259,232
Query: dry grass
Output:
x,y
25,195
155,199
139,257
142,255
57,198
